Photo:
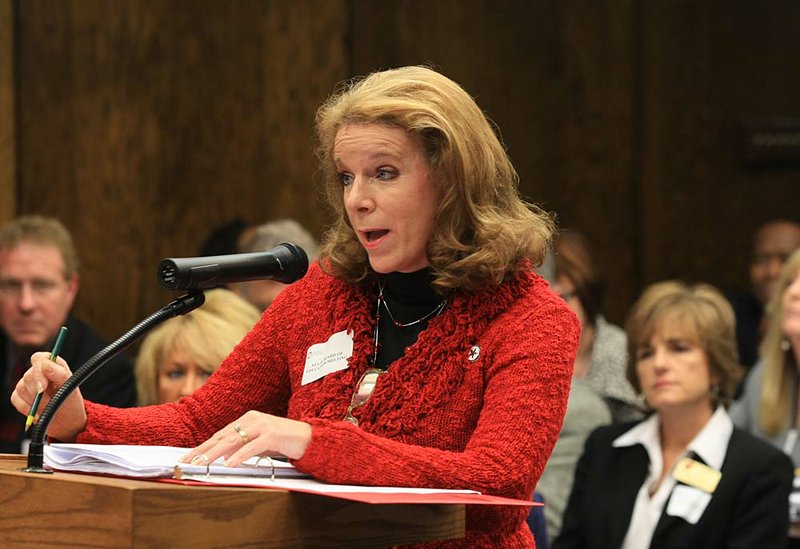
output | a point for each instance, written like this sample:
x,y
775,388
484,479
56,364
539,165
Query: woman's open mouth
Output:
x,y
376,234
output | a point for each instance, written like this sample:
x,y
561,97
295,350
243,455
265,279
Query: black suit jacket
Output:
x,y
113,384
748,510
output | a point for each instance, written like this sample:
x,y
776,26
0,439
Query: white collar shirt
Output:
x,y
710,444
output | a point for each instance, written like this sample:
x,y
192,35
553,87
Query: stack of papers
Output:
x,y
161,462
154,462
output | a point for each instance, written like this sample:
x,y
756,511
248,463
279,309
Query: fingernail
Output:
x,y
199,460
39,387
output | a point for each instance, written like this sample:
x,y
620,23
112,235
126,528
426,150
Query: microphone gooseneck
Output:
x,y
285,263
180,306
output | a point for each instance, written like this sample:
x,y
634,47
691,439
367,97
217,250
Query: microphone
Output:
x,y
285,263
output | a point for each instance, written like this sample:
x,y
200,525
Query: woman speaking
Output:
x,y
420,350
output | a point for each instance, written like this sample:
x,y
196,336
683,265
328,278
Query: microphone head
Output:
x,y
293,260
181,274
285,263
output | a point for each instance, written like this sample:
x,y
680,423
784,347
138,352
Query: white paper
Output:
x,y
688,503
151,461
325,358
160,461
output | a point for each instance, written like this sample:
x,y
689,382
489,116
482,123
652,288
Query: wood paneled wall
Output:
x,y
147,123
708,67
143,124
8,151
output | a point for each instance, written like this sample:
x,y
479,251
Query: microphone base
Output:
x,y
40,470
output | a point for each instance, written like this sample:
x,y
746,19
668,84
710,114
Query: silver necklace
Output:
x,y
435,312
382,302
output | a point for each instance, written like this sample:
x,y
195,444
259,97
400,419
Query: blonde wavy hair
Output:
x,y
703,315
483,228
780,365
207,335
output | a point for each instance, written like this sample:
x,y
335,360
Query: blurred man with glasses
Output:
x,y
38,284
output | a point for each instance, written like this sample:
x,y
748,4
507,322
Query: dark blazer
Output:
x,y
748,510
113,384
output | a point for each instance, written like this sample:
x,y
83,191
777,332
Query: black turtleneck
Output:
x,y
409,297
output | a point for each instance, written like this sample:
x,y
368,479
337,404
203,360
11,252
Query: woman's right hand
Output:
x,y
48,376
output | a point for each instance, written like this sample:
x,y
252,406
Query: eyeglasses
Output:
x,y
364,390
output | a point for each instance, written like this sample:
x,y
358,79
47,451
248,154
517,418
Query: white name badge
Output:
x,y
325,358
688,503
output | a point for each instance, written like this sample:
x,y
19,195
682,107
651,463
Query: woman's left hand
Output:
x,y
253,434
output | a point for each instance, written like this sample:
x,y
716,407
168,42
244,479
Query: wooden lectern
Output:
x,y
71,510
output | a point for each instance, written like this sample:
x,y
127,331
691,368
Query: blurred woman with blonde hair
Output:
x,y
769,405
180,355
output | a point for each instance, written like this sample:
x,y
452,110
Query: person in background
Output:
x,y
585,412
39,281
772,244
261,293
420,350
538,524
178,357
599,370
602,354
768,407
226,238
683,477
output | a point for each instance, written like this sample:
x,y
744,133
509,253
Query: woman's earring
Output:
x,y
786,345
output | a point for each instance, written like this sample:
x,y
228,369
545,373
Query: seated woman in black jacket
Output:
x,y
683,477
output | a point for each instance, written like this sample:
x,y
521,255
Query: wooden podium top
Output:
x,y
72,510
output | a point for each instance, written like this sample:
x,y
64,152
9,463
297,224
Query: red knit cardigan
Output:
x,y
438,417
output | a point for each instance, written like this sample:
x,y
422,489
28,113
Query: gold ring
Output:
x,y
241,432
